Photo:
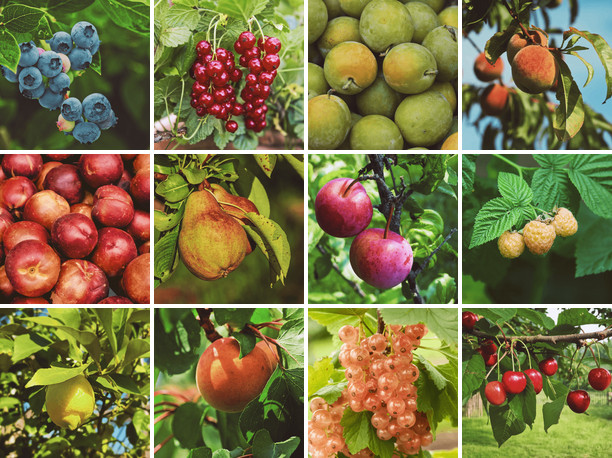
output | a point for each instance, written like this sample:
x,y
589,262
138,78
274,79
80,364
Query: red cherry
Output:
x,y
214,68
468,320
255,66
231,126
489,347
548,366
198,88
203,48
247,39
215,109
495,393
600,378
271,62
267,78
253,53
238,47
272,45
221,79
194,103
578,401
222,54
206,100
237,110
236,75
489,359
201,111
514,382
536,379
220,95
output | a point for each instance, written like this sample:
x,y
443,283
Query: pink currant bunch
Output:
x,y
213,91
261,61
381,379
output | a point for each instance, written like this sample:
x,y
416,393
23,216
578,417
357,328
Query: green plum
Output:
x,y
449,16
376,132
343,28
435,5
317,19
317,85
346,144
353,7
424,119
378,99
448,91
410,68
333,9
350,67
384,23
329,121
442,43
424,18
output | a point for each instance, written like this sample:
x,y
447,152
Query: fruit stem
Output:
x,y
162,443
206,324
389,220
349,83
356,180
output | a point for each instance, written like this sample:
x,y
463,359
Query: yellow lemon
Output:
x,y
70,403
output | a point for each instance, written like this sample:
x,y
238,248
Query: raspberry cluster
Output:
x,y
46,75
381,379
217,80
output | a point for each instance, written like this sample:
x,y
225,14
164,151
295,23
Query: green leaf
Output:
x,y
551,411
319,375
21,18
266,163
54,375
136,348
468,172
495,217
297,164
594,249
9,50
358,431
440,321
265,447
106,319
186,425
505,423
592,175
27,344
474,372
174,188
127,14
514,188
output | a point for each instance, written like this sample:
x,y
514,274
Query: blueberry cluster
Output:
x,y
46,76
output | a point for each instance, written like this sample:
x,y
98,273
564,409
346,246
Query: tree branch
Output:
x,y
206,324
568,338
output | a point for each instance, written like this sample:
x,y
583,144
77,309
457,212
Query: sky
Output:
x,y
593,16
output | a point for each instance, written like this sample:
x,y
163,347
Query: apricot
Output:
x,y
376,132
518,41
534,69
384,23
228,382
494,99
329,122
339,30
410,68
350,67
485,71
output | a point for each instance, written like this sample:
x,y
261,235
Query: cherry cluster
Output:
x,y
217,79
262,61
381,379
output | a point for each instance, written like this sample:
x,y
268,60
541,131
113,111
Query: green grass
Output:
x,y
574,436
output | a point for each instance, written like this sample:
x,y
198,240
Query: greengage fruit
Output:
x,y
410,68
449,16
353,8
435,5
329,121
424,119
317,19
448,91
424,18
376,132
378,99
442,43
317,84
384,23
350,67
343,28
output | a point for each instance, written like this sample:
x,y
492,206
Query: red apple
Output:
x,y
80,282
32,268
74,235
114,251
343,210
379,261
101,169
112,206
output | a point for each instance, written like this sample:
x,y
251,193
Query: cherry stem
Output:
x,y
164,442
165,415
528,355
174,393
356,180
389,220
207,325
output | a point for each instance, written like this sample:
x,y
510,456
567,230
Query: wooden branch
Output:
x,y
206,324
568,338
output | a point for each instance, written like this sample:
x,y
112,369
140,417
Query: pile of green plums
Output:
x,y
382,74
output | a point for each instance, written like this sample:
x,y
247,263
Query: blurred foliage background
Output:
x,y
24,124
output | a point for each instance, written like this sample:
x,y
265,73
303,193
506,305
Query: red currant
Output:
x,y
220,95
238,47
237,110
215,109
264,91
203,48
198,88
271,62
222,54
214,68
255,66
231,126
236,75
265,78
243,61
221,79
200,74
251,79
194,103
253,53
247,39
201,111
230,65
250,124
272,45
206,100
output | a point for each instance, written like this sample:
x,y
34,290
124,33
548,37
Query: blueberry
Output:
x,y
30,78
72,109
86,132
60,84
50,64
8,74
96,108
32,93
80,58
75,124
84,34
51,100
29,54
94,48
61,42
111,121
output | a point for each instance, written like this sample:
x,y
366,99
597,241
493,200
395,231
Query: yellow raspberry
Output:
x,y
511,244
539,236
565,224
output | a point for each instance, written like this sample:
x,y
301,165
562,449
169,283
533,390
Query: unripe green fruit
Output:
x,y
384,23
448,91
410,68
376,132
424,18
424,119
518,42
442,43
333,9
449,16
317,19
71,402
317,85
435,5
378,99
329,121
350,67
338,30
534,69
346,144
353,7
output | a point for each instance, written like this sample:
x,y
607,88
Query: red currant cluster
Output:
x,y
381,379
216,79
262,61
